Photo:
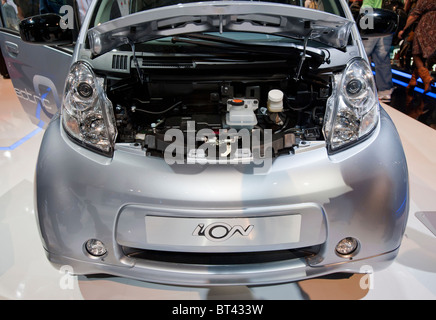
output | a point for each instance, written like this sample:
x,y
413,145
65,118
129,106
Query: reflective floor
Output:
x,y
26,274
413,102
416,105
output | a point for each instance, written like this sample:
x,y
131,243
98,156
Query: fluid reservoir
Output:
x,y
241,113
275,101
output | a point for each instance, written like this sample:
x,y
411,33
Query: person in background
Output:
x,y
355,6
378,49
405,53
314,4
10,19
424,41
355,3
9,15
409,5
51,6
27,8
82,7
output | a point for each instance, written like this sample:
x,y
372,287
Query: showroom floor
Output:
x,y
26,274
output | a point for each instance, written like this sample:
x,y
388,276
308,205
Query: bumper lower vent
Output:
x,y
231,258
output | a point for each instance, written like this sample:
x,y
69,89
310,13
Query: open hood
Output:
x,y
221,16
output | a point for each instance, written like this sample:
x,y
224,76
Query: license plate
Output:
x,y
216,232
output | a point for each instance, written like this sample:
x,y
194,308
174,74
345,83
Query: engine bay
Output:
x,y
219,101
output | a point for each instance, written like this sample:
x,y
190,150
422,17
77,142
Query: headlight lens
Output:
x,y
353,108
87,113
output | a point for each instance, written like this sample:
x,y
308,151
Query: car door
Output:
x,y
37,72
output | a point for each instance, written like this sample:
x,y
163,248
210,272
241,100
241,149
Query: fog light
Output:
x,y
347,246
95,247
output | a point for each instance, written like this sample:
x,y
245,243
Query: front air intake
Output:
x,y
119,62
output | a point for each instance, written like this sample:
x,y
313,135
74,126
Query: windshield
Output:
x,y
112,9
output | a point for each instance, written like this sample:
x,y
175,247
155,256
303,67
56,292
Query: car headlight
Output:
x,y
353,108
87,113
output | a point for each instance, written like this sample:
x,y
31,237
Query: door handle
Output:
x,y
12,49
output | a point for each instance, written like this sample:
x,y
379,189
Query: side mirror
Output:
x,y
377,22
45,29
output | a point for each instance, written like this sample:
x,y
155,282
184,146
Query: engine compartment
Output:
x,y
218,102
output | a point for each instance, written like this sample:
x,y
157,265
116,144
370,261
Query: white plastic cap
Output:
x,y
275,100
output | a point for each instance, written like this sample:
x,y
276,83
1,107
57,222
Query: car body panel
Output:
x,y
369,203
219,16
38,74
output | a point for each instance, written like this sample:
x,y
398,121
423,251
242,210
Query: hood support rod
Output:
x,y
303,56
135,60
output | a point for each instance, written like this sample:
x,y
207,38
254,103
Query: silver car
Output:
x,y
213,143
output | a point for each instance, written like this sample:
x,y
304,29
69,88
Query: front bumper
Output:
x,y
361,192
213,275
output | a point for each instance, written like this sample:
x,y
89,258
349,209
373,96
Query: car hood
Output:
x,y
221,16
